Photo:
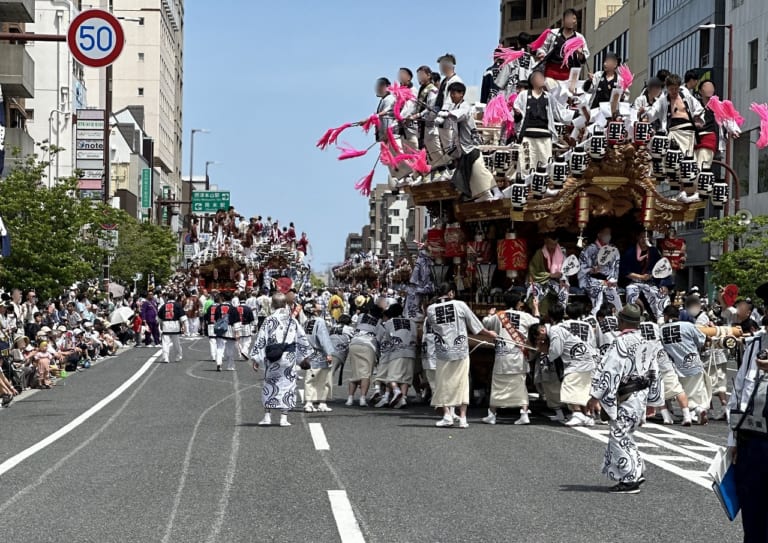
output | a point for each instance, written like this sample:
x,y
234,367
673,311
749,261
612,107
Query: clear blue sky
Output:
x,y
268,78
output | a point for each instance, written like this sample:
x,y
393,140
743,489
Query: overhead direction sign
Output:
x,y
96,38
210,201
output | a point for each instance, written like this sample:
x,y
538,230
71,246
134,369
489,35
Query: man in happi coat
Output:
x,y
546,271
279,390
637,267
599,279
173,319
451,322
318,386
510,365
626,385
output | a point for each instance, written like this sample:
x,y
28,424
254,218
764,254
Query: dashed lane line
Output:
x,y
346,523
318,437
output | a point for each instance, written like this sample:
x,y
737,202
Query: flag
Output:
x,y
2,132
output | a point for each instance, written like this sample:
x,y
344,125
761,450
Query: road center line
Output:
x,y
17,459
346,523
318,436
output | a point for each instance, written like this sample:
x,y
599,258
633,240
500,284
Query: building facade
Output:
x,y
17,80
353,245
149,73
59,86
621,27
750,84
533,16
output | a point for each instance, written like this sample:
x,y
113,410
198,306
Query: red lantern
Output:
x,y
454,242
512,255
436,243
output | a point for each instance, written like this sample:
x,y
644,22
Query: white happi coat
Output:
x,y
510,359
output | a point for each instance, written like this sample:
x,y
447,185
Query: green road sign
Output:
x,y
146,188
209,201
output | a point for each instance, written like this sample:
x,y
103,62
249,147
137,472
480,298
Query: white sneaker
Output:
x,y
463,423
266,421
350,401
523,420
363,402
323,408
444,422
400,403
284,420
382,402
577,419
490,419
668,420
309,408
588,421
558,416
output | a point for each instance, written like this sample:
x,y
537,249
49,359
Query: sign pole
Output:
x,y
107,130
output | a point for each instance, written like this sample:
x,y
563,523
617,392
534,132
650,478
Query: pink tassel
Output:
x,y
386,156
717,108
364,184
571,47
351,152
337,132
731,113
418,162
322,143
627,77
402,95
507,55
762,111
370,122
497,112
538,43
392,141
511,100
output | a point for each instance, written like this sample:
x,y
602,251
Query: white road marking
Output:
x,y
63,460
318,437
674,447
15,460
229,478
346,523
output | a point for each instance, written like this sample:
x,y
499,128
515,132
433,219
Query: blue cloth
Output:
x,y
726,493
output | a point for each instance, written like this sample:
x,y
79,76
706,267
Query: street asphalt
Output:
x,y
178,457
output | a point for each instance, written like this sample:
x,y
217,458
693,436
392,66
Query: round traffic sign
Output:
x,y
96,38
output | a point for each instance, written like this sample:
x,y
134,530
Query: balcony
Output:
x,y
17,11
17,70
16,139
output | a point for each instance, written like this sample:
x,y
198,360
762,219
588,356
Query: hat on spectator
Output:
x,y
46,330
87,324
77,332
631,313
61,328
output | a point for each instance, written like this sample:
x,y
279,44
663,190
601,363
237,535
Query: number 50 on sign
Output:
x,y
96,38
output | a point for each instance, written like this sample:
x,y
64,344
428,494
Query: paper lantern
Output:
x,y
597,145
642,134
502,162
519,196
687,169
674,181
559,172
582,215
719,194
615,133
514,155
649,210
436,243
657,168
673,157
454,242
659,144
704,183
539,182
578,161
560,129
488,160
512,255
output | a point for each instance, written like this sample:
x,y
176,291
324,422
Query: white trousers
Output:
x,y
171,344
482,180
685,139
225,353
656,300
533,151
212,346
434,147
193,326
245,344
598,292
704,157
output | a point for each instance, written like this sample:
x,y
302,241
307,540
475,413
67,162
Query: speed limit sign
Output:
x,y
95,38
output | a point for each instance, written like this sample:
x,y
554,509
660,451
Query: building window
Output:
x,y
141,91
741,148
662,7
141,21
395,212
30,114
394,230
753,64
539,10
141,57
517,10
704,41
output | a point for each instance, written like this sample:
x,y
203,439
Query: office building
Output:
x,y
17,79
149,73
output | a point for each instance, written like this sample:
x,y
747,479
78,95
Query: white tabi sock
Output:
x,y
686,413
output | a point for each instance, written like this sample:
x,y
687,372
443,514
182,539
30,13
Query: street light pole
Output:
x,y
192,155
209,163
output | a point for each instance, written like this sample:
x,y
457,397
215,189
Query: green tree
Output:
x,y
142,248
52,244
746,262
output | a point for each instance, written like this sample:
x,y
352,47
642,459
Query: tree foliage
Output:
x,y
51,245
746,262
142,248
57,239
